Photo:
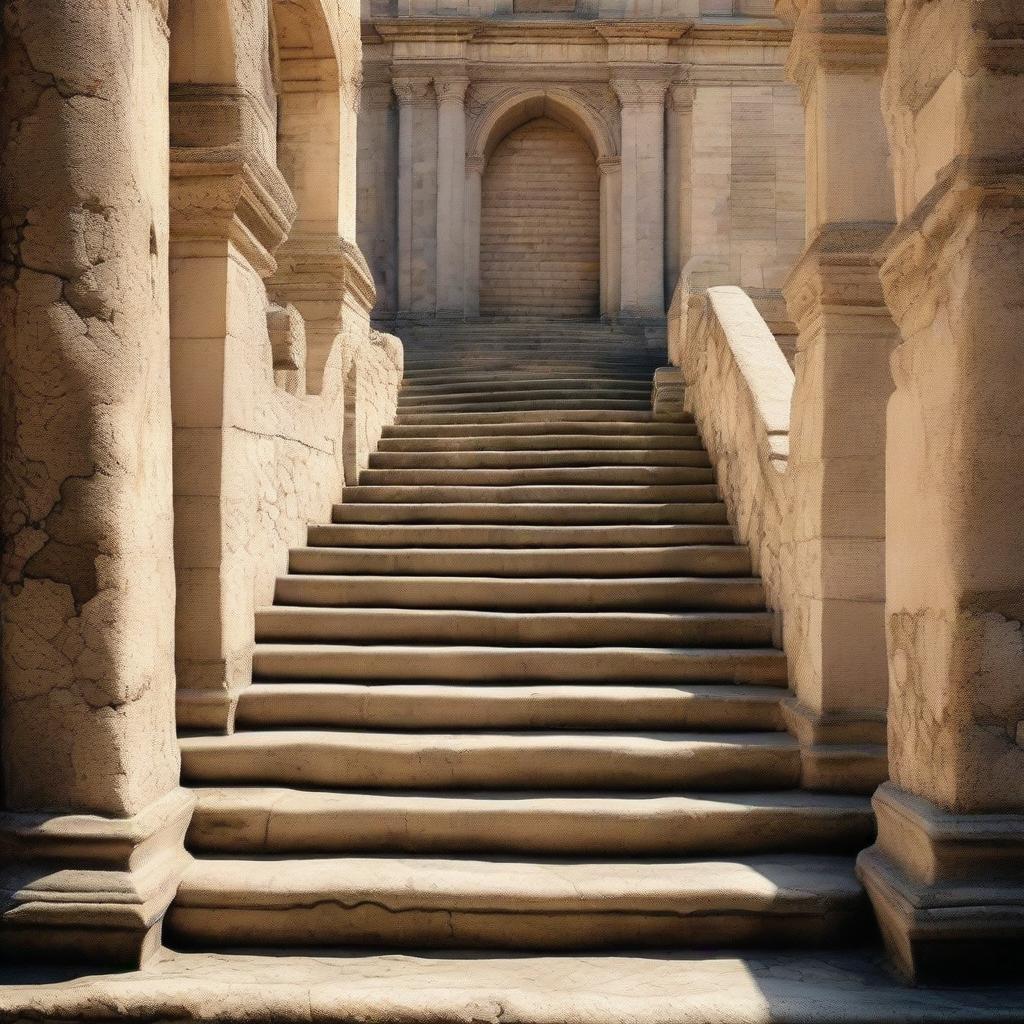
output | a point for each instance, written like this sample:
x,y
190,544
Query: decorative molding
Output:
x,y
923,252
91,888
839,43
413,92
322,269
839,270
948,889
680,97
475,164
451,90
634,92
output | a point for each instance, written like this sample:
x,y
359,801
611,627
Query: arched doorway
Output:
x,y
540,224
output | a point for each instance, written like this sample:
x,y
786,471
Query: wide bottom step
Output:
x,y
396,902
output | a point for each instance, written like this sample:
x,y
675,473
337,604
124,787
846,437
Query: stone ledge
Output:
x,y
948,889
707,988
91,888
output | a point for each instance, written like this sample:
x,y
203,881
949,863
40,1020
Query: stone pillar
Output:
x,y
93,822
946,872
474,182
835,628
414,96
451,194
678,133
643,196
611,235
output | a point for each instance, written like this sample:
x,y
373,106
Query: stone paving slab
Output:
x,y
776,988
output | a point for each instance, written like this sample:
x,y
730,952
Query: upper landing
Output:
x,y
667,10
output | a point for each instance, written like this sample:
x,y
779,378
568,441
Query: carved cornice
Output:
x,y
680,97
451,90
323,269
847,40
224,194
923,253
634,92
839,271
413,92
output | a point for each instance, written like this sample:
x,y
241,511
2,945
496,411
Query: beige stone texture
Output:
x,y
87,723
262,221
540,224
697,135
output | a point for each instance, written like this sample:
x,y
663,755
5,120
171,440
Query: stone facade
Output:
x,y
689,123
204,202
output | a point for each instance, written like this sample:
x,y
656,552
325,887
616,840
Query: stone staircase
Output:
x,y
521,694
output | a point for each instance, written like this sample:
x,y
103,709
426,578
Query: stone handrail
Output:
x,y
739,388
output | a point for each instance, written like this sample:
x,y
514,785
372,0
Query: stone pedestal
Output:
x,y
90,839
451,191
945,874
835,628
643,196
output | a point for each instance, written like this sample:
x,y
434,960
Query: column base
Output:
x,y
839,753
210,711
948,889
87,889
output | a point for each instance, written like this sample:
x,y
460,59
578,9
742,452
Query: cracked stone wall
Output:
x,y
87,594
954,277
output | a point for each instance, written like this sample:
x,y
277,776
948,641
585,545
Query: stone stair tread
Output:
x,y
765,665
501,759
289,623
696,560
277,819
428,705
569,413
513,903
557,494
589,459
547,428
554,593
443,535
514,476
532,513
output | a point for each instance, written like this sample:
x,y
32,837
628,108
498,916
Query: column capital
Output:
x,y
609,164
451,90
413,91
680,96
636,92
476,164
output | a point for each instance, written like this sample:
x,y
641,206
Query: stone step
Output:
x,y
557,494
498,383
582,595
248,820
409,412
482,664
418,902
527,513
525,475
557,447
657,458
424,372
642,427
607,396
413,535
685,560
572,412
729,707
526,388
447,626
510,761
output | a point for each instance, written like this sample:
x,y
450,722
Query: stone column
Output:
x,y
946,872
611,235
451,194
835,630
678,133
474,181
414,95
91,833
643,196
